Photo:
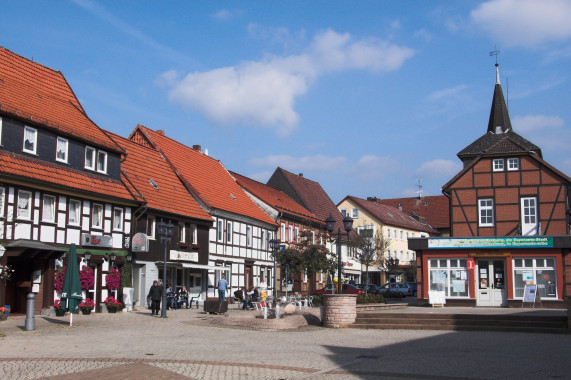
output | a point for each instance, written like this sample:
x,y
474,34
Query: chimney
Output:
x,y
160,132
400,206
373,199
198,148
301,175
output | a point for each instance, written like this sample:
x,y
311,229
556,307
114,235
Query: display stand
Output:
x,y
531,295
436,298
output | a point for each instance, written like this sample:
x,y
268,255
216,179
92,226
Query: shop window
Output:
x,y
449,276
486,212
540,271
30,140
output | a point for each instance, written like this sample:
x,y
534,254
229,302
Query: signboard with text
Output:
x,y
497,242
90,240
183,255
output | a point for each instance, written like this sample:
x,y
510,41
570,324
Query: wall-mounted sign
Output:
x,y
183,255
96,240
140,243
282,247
497,242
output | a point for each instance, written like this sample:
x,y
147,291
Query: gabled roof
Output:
x,y
25,168
434,209
307,193
143,165
389,215
276,198
206,178
41,96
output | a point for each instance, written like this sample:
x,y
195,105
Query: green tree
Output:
x,y
307,257
371,250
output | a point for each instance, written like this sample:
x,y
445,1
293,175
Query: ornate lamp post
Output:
x,y
165,231
274,244
347,225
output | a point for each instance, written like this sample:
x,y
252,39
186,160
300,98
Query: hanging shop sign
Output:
x,y
90,240
140,242
183,255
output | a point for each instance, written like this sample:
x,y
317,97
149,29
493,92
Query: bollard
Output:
x,y
277,311
30,323
266,312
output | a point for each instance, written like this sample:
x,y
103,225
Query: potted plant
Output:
x,y
112,304
58,307
58,279
113,279
3,315
86,278
86,306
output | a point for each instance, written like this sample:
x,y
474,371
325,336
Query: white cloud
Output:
x,y
263,93
223,15
526,23
298,164
439,168
547,132
372,167
446,93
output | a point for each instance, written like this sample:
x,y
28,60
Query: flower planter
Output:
x,y
85,311
111,309
60,312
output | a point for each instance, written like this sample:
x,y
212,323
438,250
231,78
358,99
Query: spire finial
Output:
x,y
496,52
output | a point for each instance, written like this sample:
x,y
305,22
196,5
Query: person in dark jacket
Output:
x,y
155,294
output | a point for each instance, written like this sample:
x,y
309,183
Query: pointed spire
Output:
x,y
499,116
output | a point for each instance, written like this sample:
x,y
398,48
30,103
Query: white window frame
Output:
x,y
538,267
118,215
64,145
34,135
296,234
77,206
90,155
312,237
151,227
97,217
355,212
49,209
182,232
248,236
343,212
0,130
283,232
229,232
513,164
529,216
220,230
2,197
263,240
452,267
27,214
193,230
101,163
498,164
290,233
486,205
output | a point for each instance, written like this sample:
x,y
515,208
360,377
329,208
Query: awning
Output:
x,y
203,266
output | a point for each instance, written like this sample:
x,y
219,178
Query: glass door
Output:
x,y
491,286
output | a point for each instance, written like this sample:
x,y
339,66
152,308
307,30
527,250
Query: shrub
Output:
x,y
58,279
317,300
370,298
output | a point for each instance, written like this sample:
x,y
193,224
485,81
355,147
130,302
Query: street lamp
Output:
x,y
347,225
165,231
87,257
274,244
113,257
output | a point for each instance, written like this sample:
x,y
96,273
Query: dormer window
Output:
x,y
89,158
498,164
102,162
498,129
30,140
91,155
61,150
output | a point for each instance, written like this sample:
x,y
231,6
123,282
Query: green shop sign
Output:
x,y
496,242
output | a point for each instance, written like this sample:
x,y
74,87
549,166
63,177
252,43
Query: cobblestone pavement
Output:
x,y
195,345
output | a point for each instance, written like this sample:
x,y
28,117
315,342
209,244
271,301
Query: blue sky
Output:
x,y
366,97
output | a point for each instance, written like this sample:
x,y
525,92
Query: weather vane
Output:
x,y
495,52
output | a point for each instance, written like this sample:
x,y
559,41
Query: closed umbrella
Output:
x,y
71,291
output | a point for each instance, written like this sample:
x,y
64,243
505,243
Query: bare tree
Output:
x,y
371,250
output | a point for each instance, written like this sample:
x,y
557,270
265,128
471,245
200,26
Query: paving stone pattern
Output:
x,y
190,344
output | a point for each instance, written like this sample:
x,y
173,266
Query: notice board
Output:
x,y
436,297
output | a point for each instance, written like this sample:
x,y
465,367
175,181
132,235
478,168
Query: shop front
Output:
x,y
492,272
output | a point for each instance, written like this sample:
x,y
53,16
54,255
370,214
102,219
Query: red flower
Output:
x,y
113,279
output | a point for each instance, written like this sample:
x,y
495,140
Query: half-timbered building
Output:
x,y
509,224
59,184
238,243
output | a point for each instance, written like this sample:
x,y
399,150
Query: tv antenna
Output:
x,y
419,186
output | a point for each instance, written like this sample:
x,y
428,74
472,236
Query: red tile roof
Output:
x,y
434,209
143,164
390,215
33,170
40,95
308,193
206,177
275,198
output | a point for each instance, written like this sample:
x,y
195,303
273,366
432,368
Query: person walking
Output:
x,y
155,294
222,287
